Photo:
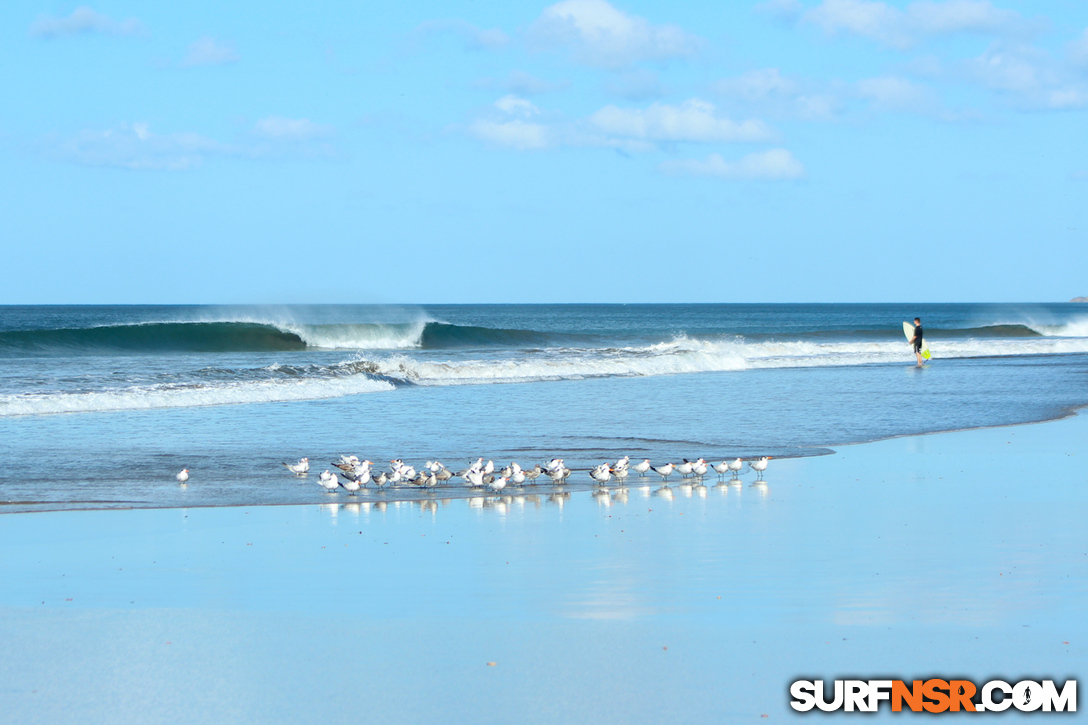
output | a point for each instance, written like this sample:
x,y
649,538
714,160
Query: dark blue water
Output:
x,y
102,405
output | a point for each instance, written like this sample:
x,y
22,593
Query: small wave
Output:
x,y
185,395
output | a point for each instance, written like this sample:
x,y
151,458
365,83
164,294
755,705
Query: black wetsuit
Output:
x,y
917,338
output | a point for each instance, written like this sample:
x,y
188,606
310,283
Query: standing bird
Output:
x,y
721,469
684,469
183,475
329,482
699,468
601,474
557,474
534,473
300,468
381,479
760,466
664,471
475,478
735,466
498,484
641,468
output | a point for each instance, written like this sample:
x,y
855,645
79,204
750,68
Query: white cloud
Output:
x,y
770,91
277,128
510,127
135,146
693,120
1029,77
209,51
84,20
517,123
889,25
515,133
897,94
474,38
601,35
772,165
515,106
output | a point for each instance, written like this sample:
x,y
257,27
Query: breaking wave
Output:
x,y
244,336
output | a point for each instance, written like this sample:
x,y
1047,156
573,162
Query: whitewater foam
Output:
x,y
189,395
685,355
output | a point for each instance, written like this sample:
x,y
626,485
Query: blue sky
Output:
x,y
784,151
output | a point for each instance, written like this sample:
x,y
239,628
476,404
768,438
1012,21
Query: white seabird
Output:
x,y
664,471
300,468
183,475
601,474
329,482
641,468
760,466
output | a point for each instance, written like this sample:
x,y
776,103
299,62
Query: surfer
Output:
x,y
916,341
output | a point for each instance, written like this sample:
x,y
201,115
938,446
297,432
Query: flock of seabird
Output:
x,y
355,474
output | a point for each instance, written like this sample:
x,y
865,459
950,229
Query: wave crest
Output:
x,y
255,336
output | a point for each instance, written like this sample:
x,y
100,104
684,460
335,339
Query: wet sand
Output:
x,y
957,553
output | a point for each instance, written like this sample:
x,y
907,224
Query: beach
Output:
x,y
957,553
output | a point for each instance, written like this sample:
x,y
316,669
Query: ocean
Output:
x,y
101,405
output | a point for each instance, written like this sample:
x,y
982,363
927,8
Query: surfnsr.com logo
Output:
x,y
934,695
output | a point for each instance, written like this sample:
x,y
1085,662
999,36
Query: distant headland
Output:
x,y
1079,299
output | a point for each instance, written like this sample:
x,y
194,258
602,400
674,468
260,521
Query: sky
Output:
x,y
581,151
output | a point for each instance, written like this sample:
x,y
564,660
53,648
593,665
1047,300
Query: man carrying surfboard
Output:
x,y
916,341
